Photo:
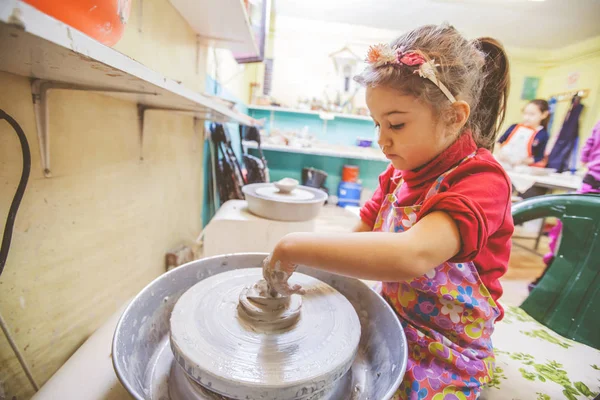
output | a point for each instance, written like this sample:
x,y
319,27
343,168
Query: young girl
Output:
x,y
525,143
437,230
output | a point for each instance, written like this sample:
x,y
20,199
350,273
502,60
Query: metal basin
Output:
x,y
143,360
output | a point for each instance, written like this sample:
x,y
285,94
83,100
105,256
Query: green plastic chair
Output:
x,y
567,298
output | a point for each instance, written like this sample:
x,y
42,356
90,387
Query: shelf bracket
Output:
x,y
39,94
198,115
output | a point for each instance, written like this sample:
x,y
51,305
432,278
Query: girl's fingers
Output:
x,y
277,273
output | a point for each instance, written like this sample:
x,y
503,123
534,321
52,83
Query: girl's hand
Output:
x,y
277,273
530,161
382,256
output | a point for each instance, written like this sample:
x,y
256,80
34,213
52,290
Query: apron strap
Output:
x,y
400,182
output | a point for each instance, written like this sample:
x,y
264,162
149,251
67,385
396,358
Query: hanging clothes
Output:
x,y
552,109
560,156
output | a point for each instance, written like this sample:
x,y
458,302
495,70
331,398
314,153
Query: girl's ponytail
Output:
x,y
488,113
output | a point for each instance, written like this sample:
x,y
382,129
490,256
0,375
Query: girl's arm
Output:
x,y
374,255
587,148
362,226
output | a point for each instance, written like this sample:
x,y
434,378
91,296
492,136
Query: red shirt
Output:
x,y
476,195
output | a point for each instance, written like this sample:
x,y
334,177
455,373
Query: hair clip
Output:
x,y
382,54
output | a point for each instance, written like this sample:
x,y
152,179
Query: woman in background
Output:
x,y
525,143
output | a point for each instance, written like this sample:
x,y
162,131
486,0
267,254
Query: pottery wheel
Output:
x,y
271,192
301,350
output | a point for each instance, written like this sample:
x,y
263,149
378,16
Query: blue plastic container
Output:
x,y
349,194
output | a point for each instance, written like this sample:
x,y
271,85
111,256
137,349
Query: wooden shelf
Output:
x,y
32,44
321,114
356,153
220,23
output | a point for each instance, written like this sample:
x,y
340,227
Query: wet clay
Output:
x,y
277,279
233,338
267,311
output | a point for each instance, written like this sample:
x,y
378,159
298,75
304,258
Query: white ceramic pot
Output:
x,y
255,359
281,207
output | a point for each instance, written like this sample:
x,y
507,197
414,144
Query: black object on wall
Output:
x,y
229,173
14,206
560,155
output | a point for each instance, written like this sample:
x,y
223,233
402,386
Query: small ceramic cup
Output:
x,y
286,185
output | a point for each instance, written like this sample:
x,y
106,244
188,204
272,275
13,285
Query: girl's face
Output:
x,y
408,132
533,116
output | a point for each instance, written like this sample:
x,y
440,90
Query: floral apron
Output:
x,y
447,314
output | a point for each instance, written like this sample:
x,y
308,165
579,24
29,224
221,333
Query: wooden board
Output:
x,y
222,23
357,153
321,114
35,45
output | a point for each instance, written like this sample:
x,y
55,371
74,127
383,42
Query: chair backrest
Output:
x,y
567,298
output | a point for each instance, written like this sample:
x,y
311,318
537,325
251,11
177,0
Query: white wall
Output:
x,y
222,67
302,66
